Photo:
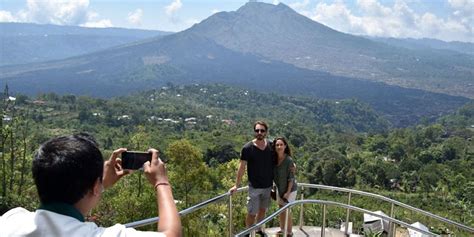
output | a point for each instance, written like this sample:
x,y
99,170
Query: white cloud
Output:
x,y
173,7
171,10
6,16
373,8
135,17
214,11
56,11
276,2
397,20
463,11
59,12
461,4
98,24
299,5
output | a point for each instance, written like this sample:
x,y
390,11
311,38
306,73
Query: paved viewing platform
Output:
x,y
308,231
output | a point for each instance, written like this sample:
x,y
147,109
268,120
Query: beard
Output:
x,y
260,137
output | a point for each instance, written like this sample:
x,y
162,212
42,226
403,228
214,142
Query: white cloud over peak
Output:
x,y
397,20
135,17
299,5
173,7
59,12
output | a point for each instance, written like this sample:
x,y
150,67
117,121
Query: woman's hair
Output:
x,y
287,149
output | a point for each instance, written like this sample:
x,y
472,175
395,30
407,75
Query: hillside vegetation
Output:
x,y
201,128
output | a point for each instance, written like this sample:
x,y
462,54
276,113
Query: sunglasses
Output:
x,y
260,131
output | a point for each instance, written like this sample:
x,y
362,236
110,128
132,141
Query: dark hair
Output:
x,y
287,149
65,168
260,123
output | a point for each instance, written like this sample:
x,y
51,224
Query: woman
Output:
x,y
284,179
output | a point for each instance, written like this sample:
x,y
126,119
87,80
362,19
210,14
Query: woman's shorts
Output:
x,y
291,198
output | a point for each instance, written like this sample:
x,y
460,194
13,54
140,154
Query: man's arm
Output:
x,y
240,173
155,171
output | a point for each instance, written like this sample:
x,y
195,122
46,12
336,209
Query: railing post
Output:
x,y
286,221
391,225
348,215
230,215
301,209
323,226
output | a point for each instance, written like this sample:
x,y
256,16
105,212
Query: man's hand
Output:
x,y
155,170
113,169
233,189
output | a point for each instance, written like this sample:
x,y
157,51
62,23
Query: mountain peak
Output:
x,y
262,22
262,8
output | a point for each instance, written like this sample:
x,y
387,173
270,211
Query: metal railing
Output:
x,y
386,199
302,201
323,226
192,209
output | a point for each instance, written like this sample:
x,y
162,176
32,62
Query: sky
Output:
x,y
448,20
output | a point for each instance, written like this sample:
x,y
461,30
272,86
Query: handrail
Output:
x,y
332,188
273,215
184,212
300,185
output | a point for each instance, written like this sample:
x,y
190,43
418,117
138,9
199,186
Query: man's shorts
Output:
x,y
258,198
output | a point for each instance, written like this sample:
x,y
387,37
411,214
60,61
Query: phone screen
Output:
x,y
134,160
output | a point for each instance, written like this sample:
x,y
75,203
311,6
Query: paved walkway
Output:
x,y
308,231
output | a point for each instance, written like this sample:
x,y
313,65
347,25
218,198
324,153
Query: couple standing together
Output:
x,y
267,163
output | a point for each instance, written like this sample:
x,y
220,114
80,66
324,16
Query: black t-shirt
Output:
x,y
260,164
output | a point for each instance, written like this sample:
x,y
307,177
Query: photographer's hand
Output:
x,y
113,169
155,172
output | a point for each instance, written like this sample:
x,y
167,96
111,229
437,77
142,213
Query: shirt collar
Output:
x,y
63,209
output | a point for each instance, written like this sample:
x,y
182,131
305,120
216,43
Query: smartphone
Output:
x,y
134,160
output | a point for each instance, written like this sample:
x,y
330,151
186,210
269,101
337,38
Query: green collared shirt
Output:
x,y
63,209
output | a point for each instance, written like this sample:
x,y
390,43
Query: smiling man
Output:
x,y
257,156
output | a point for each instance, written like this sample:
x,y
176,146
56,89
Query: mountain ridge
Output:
x,y
280,33
24,43
193,56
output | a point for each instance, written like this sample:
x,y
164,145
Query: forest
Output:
x,y
200,130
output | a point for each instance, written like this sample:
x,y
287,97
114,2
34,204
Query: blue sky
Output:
x,y
449,20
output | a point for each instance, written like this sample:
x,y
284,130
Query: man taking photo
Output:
x,y
70,176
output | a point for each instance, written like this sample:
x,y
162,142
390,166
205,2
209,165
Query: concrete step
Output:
x,y
308,231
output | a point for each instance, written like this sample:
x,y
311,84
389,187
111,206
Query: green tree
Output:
x,y
190,179
429,177
330,167
187,171
220,153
